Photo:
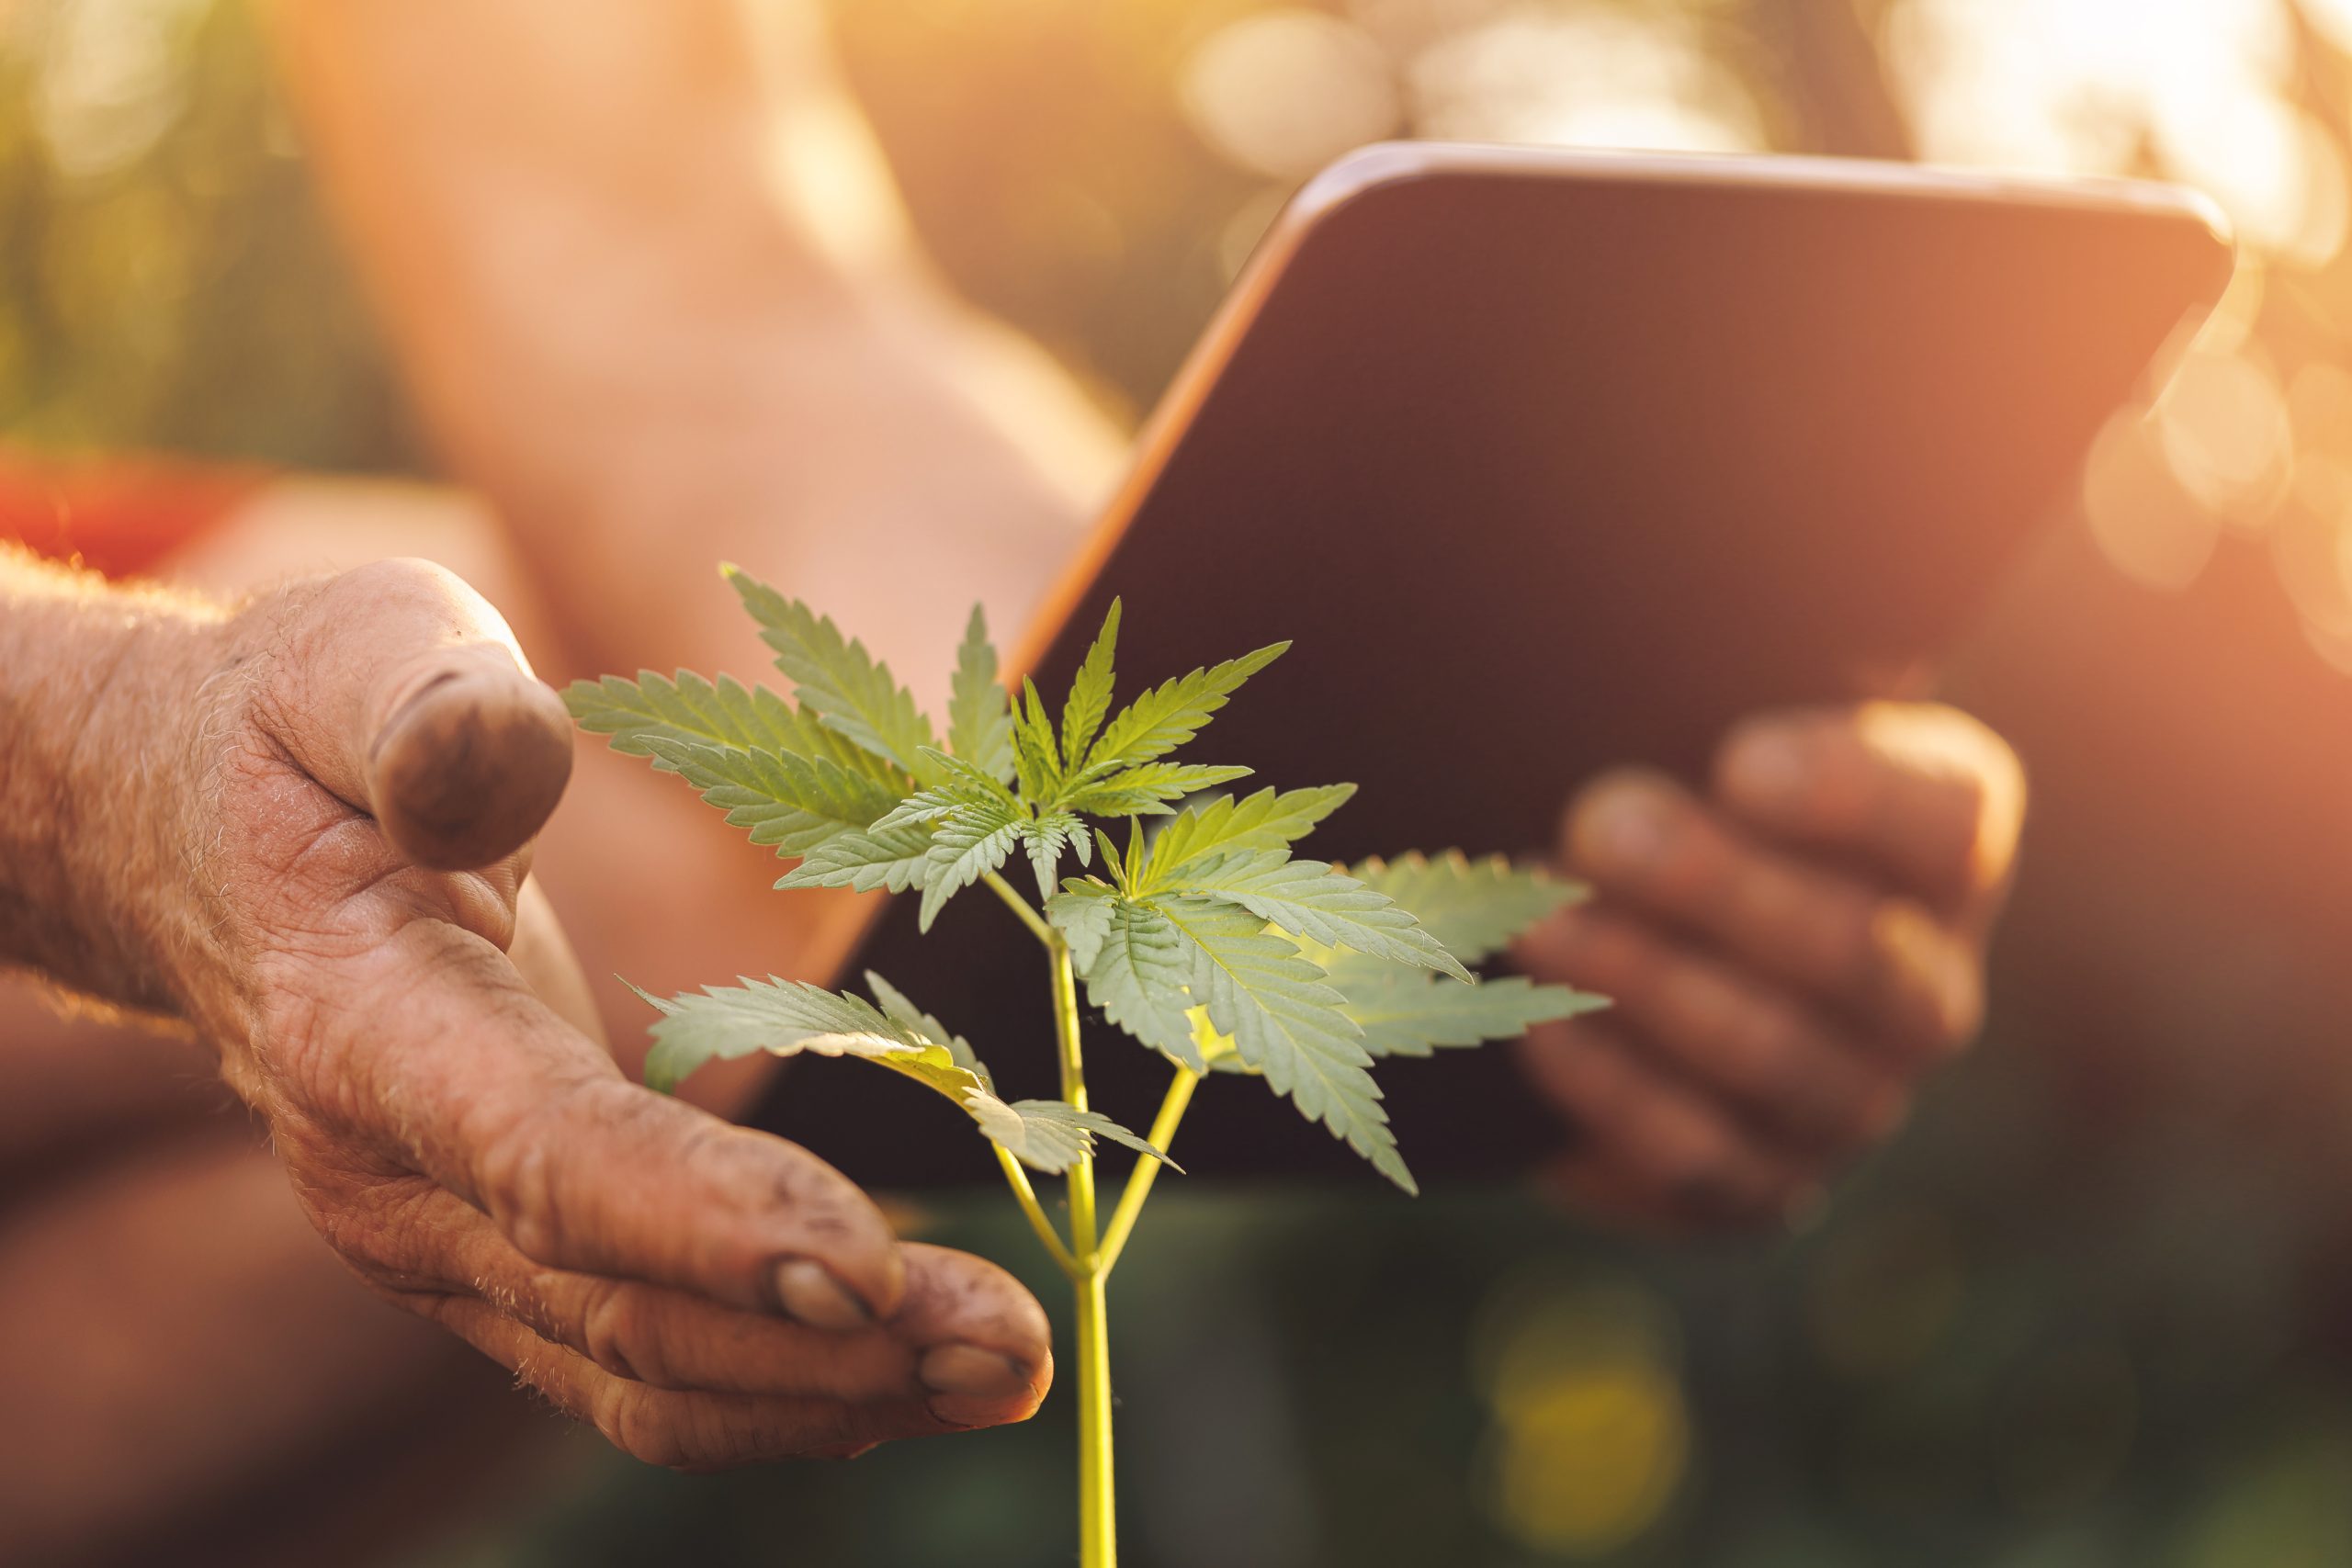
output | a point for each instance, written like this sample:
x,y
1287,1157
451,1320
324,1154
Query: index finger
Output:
x,y
1923,793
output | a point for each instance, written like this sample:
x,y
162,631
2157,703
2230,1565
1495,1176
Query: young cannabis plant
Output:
x,y
1206,940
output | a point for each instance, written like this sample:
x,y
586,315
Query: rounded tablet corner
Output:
x,y
2199,205
1360,169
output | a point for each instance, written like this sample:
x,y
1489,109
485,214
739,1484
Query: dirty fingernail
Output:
x,y
809,1295
968,1369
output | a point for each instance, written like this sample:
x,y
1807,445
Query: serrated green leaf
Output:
x,y
1474,907
926,805
783,1016
1111,860
1287,1023
955,771
1082,913
835,678
893,860
1035,760
1046,837
1174,711
1268,819
966,844
899,1010
689,710
1409,1012
685,709
1307,897
1050,1135
1150,790
789,1017
1089,696
796,804
961,784
1137,973
979,715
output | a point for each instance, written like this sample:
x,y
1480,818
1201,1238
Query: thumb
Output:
x,y
406,695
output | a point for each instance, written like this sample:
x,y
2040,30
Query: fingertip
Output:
x,y
970,1386
954,1298
470,764
1620,824
1763,769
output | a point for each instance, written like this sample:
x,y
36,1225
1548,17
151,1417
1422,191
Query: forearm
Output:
x,y
96,690
657,302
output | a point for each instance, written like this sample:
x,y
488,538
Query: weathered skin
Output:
x,y
221,818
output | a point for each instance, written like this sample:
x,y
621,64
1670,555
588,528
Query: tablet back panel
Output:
x,y
1548,462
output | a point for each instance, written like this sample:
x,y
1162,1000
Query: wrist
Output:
x,y
100,696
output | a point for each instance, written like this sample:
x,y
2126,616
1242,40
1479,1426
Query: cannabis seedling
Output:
x,y
1206,940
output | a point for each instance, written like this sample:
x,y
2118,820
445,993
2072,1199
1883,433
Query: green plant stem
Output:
x,y
1083,1259
1147,1170
1019,1181
1098,1544
1020,906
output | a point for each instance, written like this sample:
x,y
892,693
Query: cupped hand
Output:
x,y
1789,955
369,760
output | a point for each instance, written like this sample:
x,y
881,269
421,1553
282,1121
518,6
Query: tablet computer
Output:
x,y
1547,461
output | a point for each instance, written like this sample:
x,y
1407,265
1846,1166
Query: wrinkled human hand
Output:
x,y
1788,954
365,761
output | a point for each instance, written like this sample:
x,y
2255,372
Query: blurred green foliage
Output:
x,y
170,283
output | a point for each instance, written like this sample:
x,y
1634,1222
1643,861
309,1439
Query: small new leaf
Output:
x,y
1046,837
979,719
1036,758
1150,790
962,784
1173,713
1089,696
1082,913
967,842
1269,819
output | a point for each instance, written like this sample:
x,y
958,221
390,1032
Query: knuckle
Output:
x,y
1836,933
647,1425
517,1184
613,1333
1774,1058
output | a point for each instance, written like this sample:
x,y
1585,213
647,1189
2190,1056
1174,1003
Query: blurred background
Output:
x,y
2094,1308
